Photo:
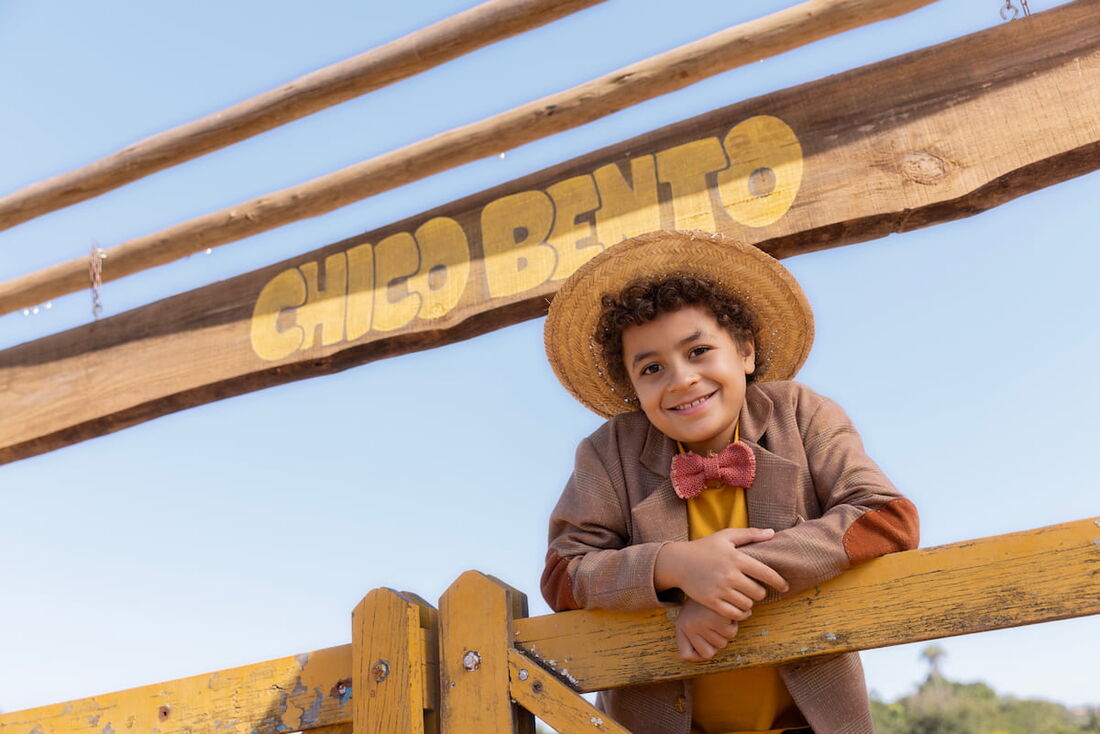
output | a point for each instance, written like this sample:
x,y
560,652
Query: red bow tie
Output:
x,y
734,466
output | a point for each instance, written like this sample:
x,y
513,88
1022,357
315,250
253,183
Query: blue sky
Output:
x,y
248,529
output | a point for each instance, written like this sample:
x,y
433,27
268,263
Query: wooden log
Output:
x,y
553,701
475,623
890,147
395,663
741,44
974,586
308,692
405,57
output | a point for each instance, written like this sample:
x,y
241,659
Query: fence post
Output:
x,y
395,669
475,624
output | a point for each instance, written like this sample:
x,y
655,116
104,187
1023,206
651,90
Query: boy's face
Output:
x,y
689,375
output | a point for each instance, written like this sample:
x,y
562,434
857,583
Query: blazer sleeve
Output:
x,y
863,514
590,563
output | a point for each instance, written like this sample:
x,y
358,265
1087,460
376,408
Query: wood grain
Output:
x,y
304,692
741,44
475,619
974,586
553,701
1005,581
418,51
886,148
395,660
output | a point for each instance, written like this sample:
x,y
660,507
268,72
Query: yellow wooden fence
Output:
x,y
479,665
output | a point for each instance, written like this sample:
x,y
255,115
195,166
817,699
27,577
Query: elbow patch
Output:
x,y
556,585
891,528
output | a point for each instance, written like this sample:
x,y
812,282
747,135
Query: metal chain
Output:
x,y
1009,11
95,275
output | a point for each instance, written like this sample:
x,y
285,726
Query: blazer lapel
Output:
x,y
771,499
661,515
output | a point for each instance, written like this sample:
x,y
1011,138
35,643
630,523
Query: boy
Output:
x,y
715,481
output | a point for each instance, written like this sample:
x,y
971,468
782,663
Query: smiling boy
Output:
x,y
716,482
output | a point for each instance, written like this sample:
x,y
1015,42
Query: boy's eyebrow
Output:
x,y
686,340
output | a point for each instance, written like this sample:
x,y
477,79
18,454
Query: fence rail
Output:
x,y
479,664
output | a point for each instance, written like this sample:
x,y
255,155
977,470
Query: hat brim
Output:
x,y
786,324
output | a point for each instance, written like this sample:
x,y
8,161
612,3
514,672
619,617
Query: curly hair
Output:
x,y
642,301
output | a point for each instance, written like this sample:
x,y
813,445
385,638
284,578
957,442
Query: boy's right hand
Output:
x,y
713,572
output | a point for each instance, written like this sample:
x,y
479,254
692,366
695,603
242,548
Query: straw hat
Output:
x,y
754,277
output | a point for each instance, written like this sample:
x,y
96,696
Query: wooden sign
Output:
x,y
932,136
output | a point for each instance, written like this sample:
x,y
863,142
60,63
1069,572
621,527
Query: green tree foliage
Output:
x,y
941,706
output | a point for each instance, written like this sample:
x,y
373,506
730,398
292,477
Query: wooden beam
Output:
x,y
974,586
475,625
304,692
395,640
887,148
400,59
553,701
1005,581
741,44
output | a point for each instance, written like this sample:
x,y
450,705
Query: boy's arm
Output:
x,y
590,563
863,514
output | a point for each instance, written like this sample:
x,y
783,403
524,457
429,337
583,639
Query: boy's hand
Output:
x,y
714,573
700,633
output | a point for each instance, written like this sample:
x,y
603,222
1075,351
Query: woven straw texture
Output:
x,y
754,277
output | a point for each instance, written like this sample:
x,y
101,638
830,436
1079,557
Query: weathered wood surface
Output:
x,y
553,701
932,136
475,627
305,692
394,641
416,52
974,586
1006,581
653,77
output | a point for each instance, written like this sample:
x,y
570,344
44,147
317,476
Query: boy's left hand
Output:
x,y
700,632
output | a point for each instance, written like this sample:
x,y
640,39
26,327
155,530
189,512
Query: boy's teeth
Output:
x,y
692,404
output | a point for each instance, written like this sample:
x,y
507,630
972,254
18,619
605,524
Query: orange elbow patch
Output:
x,y
557,587
891,528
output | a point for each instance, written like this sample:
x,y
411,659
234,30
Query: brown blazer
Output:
x,y
829,503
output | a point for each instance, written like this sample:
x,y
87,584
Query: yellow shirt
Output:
x,y
740,701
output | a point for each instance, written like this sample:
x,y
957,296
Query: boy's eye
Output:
x,y
698,351
650,369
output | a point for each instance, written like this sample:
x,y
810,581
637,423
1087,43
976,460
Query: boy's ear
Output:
x,y
748,356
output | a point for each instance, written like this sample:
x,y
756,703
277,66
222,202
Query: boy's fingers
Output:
x,y
729,611
740,600
765,574
703,649
744,536
750,590
683,646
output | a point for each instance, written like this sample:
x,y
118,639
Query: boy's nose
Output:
x,y
684,377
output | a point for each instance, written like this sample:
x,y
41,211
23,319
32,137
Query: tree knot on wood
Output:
x,y
924,168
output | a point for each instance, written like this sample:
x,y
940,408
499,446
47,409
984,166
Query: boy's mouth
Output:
x,y
692,403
